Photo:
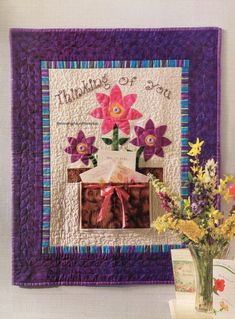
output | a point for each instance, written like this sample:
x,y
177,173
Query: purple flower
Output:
x,y
151,139
81,147
199,203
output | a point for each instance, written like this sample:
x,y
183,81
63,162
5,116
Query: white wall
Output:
x,y
79,302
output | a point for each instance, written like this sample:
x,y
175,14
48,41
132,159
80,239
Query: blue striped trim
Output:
x,y
126,249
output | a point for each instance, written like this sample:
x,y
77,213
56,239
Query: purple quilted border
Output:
x,y
200,45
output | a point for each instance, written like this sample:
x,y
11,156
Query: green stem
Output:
x,y
115,142
138,154
93,159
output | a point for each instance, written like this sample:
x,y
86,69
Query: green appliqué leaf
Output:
x,y
107,140
123,140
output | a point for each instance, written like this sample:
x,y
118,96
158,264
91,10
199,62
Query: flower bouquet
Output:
x,y
198,221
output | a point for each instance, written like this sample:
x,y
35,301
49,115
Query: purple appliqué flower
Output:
x,y
81,147
151,139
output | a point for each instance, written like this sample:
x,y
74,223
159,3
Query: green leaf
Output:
x,y
190,177
123,140
107,141
215,291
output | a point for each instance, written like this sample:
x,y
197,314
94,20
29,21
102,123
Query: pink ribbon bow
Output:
x,y
107,194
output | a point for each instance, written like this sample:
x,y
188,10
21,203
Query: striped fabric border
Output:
x,y
46,158
45,66
184,130
165,248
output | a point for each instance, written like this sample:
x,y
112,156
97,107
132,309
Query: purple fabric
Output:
x,y
28,47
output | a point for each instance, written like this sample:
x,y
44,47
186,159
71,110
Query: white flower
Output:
x,y
210,170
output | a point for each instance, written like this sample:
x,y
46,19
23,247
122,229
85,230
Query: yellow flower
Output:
x,y
227,228
214,217
194,169
161,224
201,175
223,306
196,161
187,203
187,207
190,229
195,148
164,223
223,184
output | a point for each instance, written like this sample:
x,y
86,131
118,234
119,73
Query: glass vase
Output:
x,y
203,255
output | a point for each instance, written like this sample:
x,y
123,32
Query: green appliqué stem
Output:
x,y
138,154
115,142
93,159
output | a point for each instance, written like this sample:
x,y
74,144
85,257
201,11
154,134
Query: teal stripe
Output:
x,y
155,248
74,65
45,99
115,64
46,171
172,63
46,194
140,249
45,243
184,191
184,130
124,249
133,64
105,249
43,64
84,64
93,249
184,160
46,152
60,64
184,89
184,142
45,111
156,63
45,80
46,138
184,119
184,175
53,249
82,249
46,224
184,103
46,183
186,63
46,209
184,69
146,63
45,122
165,248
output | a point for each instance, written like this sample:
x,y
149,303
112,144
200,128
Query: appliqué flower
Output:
x,y
219,284
116,109
81,147
151,139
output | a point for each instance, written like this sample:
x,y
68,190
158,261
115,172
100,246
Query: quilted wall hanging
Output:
x,y
93,112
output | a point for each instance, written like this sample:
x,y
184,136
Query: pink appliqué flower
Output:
x,y
116,109
81,147
151,139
